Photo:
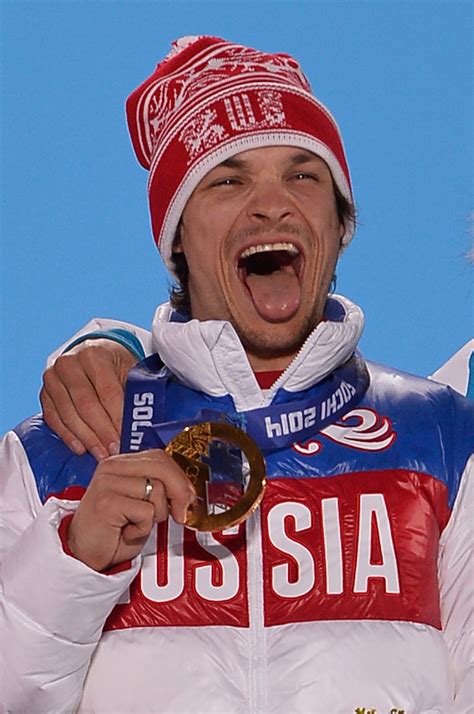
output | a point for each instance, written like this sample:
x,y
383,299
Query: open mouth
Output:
x,y
272,274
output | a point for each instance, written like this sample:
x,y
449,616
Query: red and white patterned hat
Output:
x,y
210,99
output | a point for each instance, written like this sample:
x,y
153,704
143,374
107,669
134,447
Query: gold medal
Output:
x,y
211,455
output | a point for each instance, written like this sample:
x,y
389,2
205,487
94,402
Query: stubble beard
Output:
x,y
273,343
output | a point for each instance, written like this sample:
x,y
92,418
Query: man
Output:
x,y
348,590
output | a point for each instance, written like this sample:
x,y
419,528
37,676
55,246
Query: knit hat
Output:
x,y
210,99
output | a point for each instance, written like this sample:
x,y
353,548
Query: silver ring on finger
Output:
x,y
148,489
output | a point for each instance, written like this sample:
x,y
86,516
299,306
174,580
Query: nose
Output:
x,y
269,203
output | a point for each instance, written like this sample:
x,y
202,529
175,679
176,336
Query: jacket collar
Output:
x,y
209,357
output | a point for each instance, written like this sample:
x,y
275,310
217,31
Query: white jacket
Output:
x,y
325,601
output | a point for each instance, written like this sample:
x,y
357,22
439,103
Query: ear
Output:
x,y
177,246
342,230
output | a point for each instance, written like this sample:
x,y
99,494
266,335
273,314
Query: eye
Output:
x,y
303,176
226,182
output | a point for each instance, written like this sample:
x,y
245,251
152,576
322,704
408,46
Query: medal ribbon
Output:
x,y
276,426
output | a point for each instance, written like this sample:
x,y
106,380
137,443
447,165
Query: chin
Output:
x,y
271,340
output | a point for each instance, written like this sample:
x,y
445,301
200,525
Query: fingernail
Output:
x,y
98,453
114,448
77,447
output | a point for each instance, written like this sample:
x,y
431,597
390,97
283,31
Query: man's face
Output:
x,y
261,237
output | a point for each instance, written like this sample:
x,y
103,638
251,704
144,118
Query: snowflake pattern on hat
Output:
x,y
201,133
168,96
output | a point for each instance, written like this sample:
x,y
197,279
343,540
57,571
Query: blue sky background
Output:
x,y
75,231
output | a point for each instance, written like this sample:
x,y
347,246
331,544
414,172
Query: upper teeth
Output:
x,y
266,247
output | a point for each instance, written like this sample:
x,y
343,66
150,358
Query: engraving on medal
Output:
x,y
192,441
227,470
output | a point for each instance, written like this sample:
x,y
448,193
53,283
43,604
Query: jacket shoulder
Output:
x,y
56,469
403,386
425,412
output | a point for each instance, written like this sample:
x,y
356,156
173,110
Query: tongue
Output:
x,y
276,296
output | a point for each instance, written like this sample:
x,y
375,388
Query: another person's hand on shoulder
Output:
x,y
82,396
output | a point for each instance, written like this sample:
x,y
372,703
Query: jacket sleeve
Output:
x,y
98,324
52,606
456,577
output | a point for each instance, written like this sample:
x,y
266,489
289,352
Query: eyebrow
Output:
x,y
233,163
303,157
